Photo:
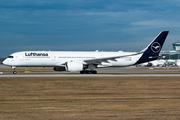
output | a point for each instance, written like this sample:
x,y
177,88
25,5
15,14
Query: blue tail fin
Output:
x,y
151,52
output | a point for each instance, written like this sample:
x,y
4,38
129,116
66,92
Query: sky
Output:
x,y
83,25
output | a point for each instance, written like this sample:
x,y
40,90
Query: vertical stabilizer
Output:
x,y
151,52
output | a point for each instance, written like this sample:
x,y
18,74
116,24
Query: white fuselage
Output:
x,y
58,58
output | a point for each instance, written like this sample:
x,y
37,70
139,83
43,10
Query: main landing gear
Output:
x,y
88,72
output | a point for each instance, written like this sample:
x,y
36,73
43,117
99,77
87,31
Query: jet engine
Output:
x,y
74,66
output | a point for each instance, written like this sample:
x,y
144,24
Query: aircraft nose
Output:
x,y
1,62
4,61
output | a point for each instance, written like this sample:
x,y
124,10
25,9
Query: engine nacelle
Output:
x,y
74,66
59,69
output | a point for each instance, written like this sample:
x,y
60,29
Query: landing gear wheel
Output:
x,y
14,72
94,72
82,72
87,72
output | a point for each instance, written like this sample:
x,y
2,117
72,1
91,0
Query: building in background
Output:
x,y
176,46
176,52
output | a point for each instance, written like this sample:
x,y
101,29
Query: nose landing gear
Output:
x,y
14,72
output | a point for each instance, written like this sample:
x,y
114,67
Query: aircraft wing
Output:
x,y
105,59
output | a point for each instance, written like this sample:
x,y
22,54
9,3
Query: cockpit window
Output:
x,y
10,57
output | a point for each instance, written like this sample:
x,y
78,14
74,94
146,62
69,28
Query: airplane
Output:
x,y
178,63
85,62
155,63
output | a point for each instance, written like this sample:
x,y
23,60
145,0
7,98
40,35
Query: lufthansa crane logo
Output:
x,y
155,47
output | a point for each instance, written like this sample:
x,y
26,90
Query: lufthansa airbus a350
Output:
x,y
85,62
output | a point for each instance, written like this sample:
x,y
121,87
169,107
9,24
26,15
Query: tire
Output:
x,y
81,72
94,72
14,72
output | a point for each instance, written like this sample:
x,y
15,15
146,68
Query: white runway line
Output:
x,y
89,75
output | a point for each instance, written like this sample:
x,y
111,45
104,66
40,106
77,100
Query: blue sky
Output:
x,y
86,25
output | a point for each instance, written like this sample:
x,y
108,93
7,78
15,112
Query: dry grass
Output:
x,y
90,98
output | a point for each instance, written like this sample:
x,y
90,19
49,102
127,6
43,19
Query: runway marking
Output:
x,y
89,75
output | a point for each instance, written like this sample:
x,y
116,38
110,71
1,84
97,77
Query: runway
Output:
x,y
102,72
89,75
